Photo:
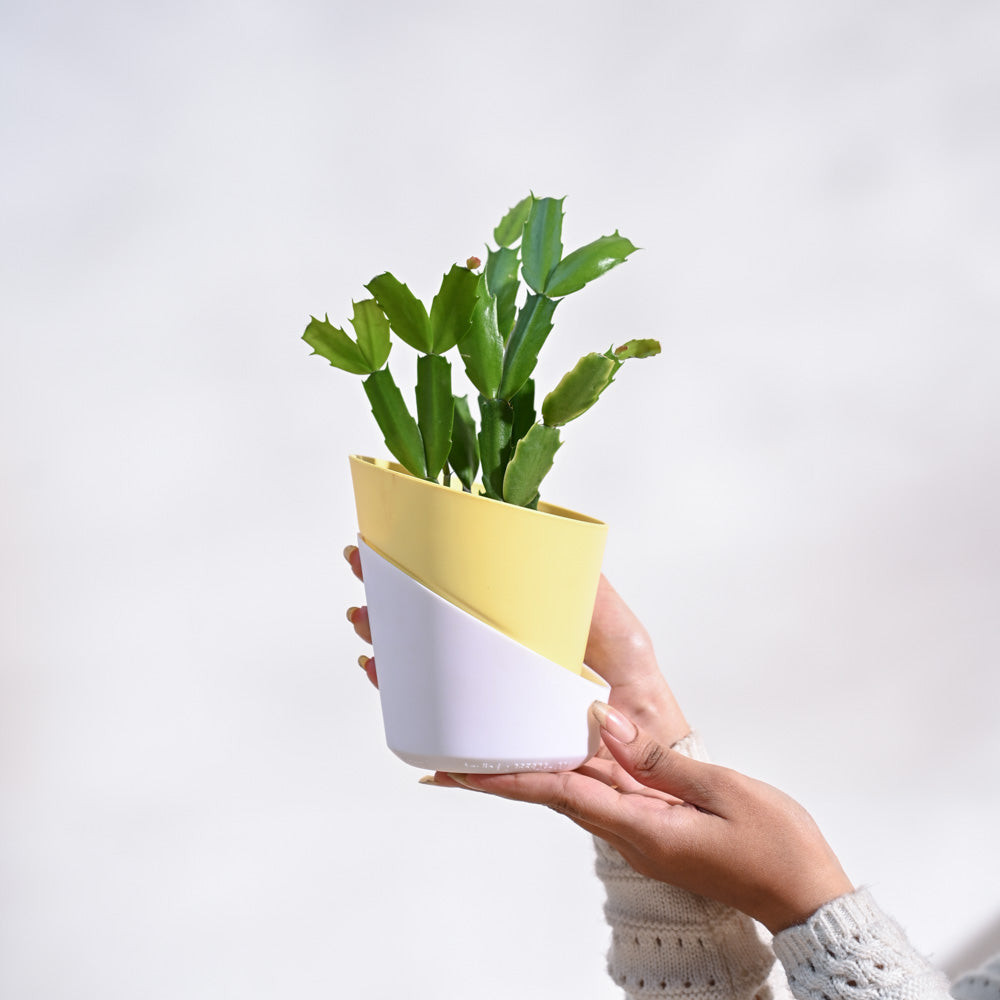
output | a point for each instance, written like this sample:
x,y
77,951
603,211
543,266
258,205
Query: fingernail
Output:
x,y
430,779
351,612
613,723
463,780
363,661
349,551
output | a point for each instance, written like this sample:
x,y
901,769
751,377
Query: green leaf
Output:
x,y
587,263
529,465
496,420
407,314
579,389
464,455
482,349
523,403
372,329
534,323
509,230
330,342
402,436
501,279
541,246
451,310
435,410
637,349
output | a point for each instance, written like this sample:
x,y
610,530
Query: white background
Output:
x,y
803,490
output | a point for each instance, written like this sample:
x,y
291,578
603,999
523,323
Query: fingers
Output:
x,y
543,791
608,770
358,617
353,556
654,765
583,798
367,664
618,816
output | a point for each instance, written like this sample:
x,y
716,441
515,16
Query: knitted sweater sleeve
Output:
x,y
670,944
850,950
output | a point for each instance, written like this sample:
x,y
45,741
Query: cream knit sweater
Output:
x,y
670,944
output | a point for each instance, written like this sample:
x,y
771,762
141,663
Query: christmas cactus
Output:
x,y
498,333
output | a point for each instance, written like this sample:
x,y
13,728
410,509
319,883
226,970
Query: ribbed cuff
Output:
x,y
850,950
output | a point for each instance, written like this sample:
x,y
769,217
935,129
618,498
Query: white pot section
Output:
x,y
457,695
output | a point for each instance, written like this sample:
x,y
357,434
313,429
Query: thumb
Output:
x,y
651,763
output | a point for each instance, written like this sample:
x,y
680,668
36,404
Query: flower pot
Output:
x,y
479,613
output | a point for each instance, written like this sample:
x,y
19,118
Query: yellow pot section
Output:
x,y
532,575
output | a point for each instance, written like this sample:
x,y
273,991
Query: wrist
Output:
x,y
796,903
653,708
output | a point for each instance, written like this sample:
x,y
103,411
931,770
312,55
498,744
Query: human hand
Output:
x,y
703,828
618,649
358,616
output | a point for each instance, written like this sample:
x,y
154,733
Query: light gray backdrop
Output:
x,y
803,490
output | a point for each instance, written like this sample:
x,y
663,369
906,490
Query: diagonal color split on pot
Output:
x,y
532,575
460,696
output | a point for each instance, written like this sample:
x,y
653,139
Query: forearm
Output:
x,y
667,942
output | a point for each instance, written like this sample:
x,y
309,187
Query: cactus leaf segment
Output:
x,y
508,232
451,310
579,389
464,456
330,342
529,465
435,411
588,262
534,323
402,436
372,330
637,349
482,349
406,313
501,279
541,245
495,425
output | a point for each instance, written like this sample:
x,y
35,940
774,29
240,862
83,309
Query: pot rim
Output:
x,y
545,509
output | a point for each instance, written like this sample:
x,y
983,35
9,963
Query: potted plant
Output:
x,y
479,593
